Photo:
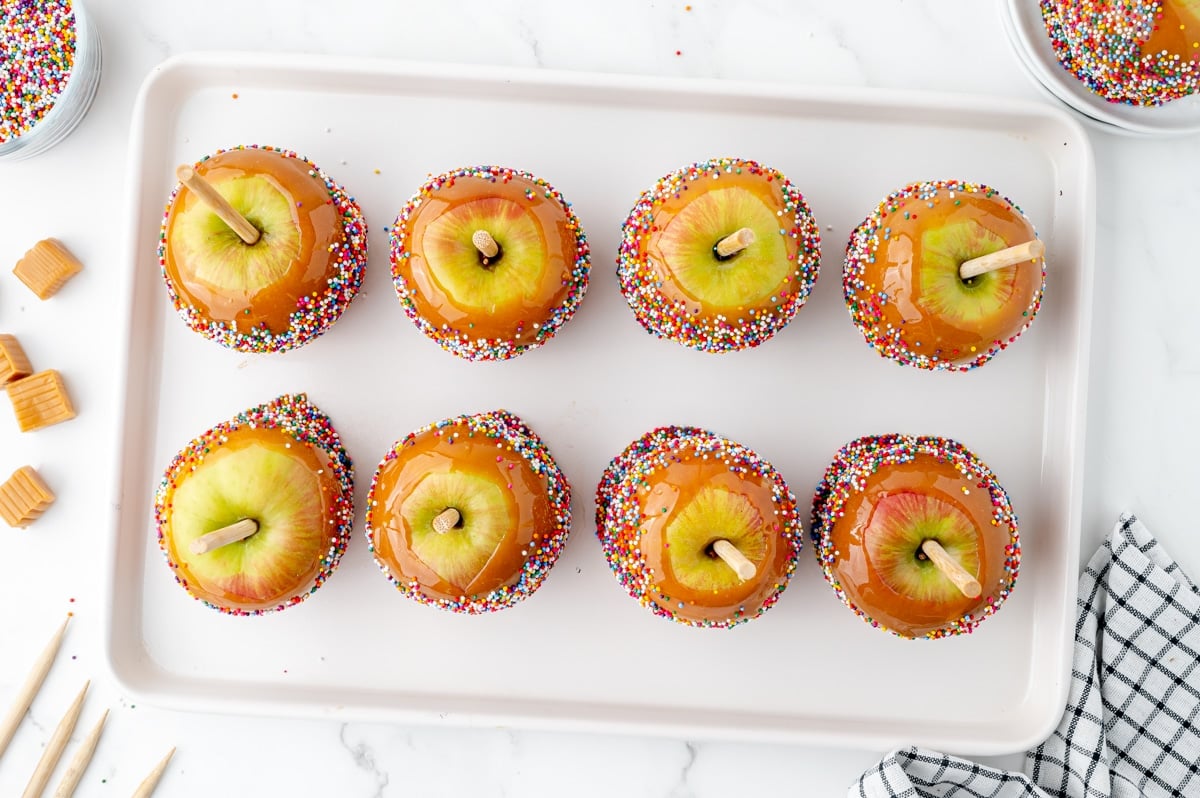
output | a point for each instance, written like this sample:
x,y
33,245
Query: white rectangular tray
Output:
x,y
580,654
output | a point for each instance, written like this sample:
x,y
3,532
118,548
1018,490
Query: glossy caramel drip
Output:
x,y
863,584
529,512
313,214
436,303
896,272
666,494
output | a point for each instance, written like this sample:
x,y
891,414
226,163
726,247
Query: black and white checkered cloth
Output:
x,y
1132,722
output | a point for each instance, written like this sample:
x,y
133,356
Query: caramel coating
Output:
x,y
857,575
516,322
528,508
236,593
312,262
670,490
895,271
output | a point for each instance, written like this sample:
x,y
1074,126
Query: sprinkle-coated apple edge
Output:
x,y
38,42
863,457
313,315
1101,43
666,318
299,418
458,341
507,430
865,301
619,514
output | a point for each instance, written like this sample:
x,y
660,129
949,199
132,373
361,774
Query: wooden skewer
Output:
x,y
446,520
735,242
486,245
79,762
217,204
949,567
239,530
33,683
734,559
1030,250
54,748
146,788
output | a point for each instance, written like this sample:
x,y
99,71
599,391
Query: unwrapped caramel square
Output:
x,y
13,363
40,400
46,267
24,497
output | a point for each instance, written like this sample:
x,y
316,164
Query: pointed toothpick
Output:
x,y
54,748
146,788
79,762
33,683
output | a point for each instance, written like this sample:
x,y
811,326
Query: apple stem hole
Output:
x,y
1029,251
732,557
951,569
733,243
224,536
446,520
489,249
212,199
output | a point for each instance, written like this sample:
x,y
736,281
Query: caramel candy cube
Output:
x,y
13,363
40,400
24,497
46,267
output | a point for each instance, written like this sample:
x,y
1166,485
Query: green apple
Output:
x,y
500,282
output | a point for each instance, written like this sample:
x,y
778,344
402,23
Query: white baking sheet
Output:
x,y
580,653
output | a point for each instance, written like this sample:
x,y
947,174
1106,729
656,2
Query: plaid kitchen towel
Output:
x,y
1132,722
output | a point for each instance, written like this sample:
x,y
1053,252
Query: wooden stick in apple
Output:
x,y
734,559
486,245
951,569
33,683
735,242
236,531
446,520
1030,250
217,204
54,749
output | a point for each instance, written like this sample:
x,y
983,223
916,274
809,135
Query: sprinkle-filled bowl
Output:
x,y
50,63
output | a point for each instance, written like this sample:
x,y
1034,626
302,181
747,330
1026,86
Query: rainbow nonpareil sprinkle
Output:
x,y
1117,49
38,42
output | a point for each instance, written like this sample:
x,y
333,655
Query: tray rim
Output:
x,y
263,704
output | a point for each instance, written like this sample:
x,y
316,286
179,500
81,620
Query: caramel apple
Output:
x,y
909,283
915,535
261,251
255,514
468,514
697,528
1142,52
489,262
719,255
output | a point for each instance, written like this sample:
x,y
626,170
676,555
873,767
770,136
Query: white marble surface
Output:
x,y
1142,436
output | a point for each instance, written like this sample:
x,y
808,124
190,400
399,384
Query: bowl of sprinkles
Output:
x,y
49,70
1131,68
